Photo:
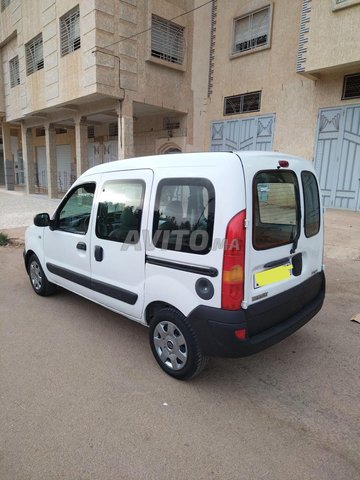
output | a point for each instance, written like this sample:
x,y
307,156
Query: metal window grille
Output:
x,y
70,31
34,55
4,4
351,88
167,40
91,131
113,129
244,103
14,72
171,123
252,31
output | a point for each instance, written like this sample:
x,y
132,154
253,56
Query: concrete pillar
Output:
x,y
125,129
81,145
29,164
8,158
51,163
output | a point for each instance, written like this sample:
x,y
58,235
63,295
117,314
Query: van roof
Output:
x,y
203,159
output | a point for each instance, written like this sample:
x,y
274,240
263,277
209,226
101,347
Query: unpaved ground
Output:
x,y
82,397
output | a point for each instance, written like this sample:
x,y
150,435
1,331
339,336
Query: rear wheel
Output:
x,y
38,279
174,345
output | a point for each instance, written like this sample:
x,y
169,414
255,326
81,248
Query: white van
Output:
x,y
220,254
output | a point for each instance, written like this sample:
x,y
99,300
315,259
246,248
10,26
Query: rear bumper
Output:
x,y
267,322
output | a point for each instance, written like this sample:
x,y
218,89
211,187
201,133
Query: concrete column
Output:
x,y
125,129
9,170
81,145
29,164
51,163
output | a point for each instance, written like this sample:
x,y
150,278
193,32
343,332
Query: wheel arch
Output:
x,y
27,258
154,307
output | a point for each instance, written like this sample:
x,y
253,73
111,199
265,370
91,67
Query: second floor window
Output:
x,y
252,31
70,31
167,40
34,55
14,72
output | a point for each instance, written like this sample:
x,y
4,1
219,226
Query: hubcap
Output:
x,y
35,275
170,345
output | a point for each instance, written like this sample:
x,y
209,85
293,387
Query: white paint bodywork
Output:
x,y
232,177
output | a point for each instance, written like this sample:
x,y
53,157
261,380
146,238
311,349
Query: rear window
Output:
x,y
276,210
311,204
184,215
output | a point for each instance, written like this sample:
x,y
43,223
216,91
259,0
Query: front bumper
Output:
x,y
267,322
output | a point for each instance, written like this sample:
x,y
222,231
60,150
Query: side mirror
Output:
x,y
42,220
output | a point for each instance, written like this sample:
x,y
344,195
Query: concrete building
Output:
x,y
81,85
286,77
89,81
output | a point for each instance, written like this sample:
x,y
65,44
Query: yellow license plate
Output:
x,y
273,275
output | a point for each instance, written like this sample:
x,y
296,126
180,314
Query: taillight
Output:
x,y
232,293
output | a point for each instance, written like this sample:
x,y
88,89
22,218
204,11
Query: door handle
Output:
x,y
99,253
81,246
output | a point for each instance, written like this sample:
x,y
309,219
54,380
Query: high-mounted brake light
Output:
x,y
232,292
283,163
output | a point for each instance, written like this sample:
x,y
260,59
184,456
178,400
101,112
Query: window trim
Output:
x,y
236,54
344,4
319,203
191,181
139,181
256,207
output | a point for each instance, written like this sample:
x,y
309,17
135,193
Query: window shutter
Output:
x,y
242,30
260,23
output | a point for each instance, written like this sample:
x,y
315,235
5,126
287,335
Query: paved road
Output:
x,y
18,210
82,397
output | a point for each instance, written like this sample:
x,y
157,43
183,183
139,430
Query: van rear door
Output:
x,y
284,238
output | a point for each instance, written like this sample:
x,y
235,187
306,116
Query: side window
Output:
x,y
276,211
184,215
119,212
74,213
312,204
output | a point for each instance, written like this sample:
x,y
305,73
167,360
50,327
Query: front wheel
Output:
x,y
175,346
38,280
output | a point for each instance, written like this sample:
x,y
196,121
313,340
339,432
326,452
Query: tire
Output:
x,y
175,346
38,280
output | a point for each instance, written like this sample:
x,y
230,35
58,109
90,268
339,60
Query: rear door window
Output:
x,y
184,215
311,203
276,209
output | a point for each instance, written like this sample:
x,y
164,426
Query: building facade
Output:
x,y
88,81
286,77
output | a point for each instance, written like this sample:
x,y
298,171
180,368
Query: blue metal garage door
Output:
x,y
337,156
252,133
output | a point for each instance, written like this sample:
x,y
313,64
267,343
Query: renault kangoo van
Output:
x,y
219,254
